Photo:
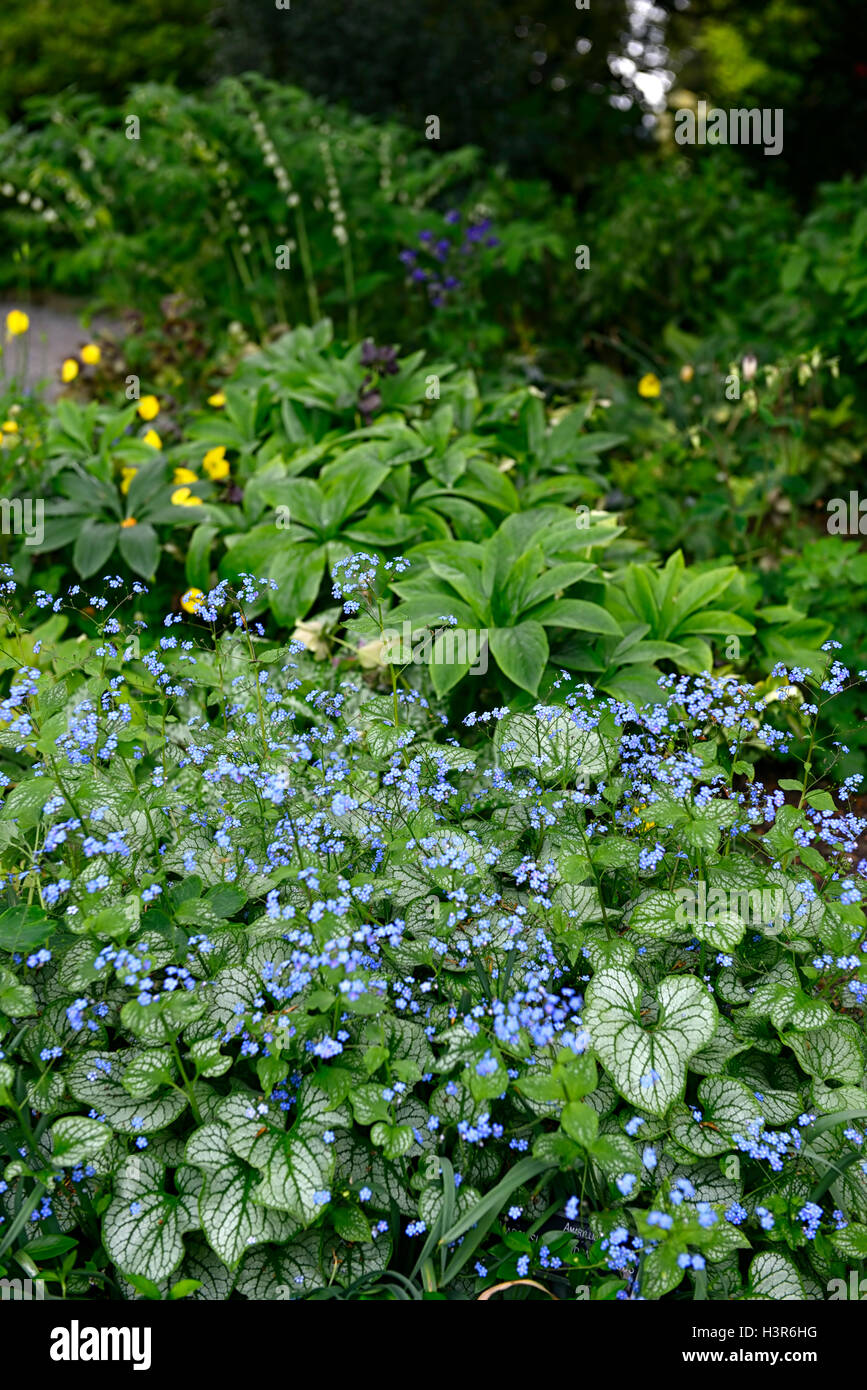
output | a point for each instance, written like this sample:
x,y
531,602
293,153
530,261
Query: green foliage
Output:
x,y
99,48
267,1034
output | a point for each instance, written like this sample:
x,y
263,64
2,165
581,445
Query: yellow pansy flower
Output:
x,y
69,370
192,600
17,322
217,400
215,463
127,475
649,386
129,521
148,407
185,475
9,427
153,439
91,355
182,497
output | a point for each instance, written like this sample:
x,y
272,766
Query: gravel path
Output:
x,y
56,331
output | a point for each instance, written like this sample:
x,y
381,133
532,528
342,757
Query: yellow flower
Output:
x,y
192,600
649,386
130,521
185,475
687,372
9,427
69,370
153,439
127,475
217,400
17,323
182,497
148,407
215,463
91,355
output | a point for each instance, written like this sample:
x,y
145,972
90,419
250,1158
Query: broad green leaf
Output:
x,y
774,1276
95,543
660,1272
553,744
851,1242
394,1140
294,1166
147,1072
103,1090
230,1217
75,1138
580,1122
144,1226
648,1064
661,915
16,1000
25,928
831,1053
727,1106
24,803
521,653
140,547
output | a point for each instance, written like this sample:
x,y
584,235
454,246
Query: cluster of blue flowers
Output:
x,y
402,924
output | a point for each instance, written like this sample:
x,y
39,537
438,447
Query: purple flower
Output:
x,y
453,216
408,257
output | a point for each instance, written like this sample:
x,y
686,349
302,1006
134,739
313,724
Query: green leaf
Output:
x,y
74,1139
368,1105
554,745
103,1090
95,543
521,653
851,1242
293,1165
25,928
49,1247
140,547
144,1286
394,1140
229,1214
147,1072
483,1213
661,915
660,1272
144,1226
197,566
832,1053
183,1288
351,1223
580,1122
575,613
648,1064
16,1000
774,1276
24,803
727,1106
